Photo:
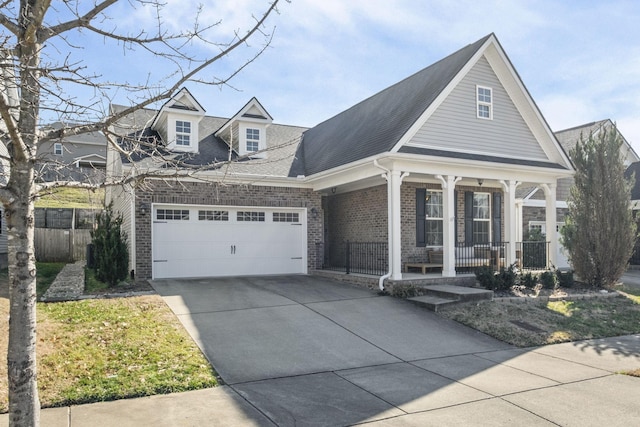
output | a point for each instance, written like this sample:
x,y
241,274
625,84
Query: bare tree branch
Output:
x,y
83,21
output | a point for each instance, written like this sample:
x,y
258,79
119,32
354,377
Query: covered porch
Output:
x,y
436,220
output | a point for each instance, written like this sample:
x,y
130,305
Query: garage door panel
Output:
x,y
205,247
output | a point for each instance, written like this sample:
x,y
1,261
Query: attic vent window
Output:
x,y
484,100
183,133
253,140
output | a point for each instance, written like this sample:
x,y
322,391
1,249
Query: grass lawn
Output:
x,y
106,349
66,197
46,273
534,324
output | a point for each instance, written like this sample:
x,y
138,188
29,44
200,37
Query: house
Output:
x,y
80,157
532,198
426,169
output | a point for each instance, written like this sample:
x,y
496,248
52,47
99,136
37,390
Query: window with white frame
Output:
x,y
481,217
433,218
57,149
253,140
484,101
183,133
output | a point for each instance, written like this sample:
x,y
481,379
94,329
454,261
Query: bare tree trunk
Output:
x,y
24,404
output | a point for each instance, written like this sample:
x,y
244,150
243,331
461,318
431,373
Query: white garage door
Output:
x,y
197,241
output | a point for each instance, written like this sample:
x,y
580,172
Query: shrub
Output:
x,y
548,279
565,278
529,280
507,278
486,277
111,256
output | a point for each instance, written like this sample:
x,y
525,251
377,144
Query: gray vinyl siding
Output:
x,y
455,126
70,151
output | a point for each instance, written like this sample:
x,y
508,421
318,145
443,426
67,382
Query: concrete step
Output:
x,y
431,303
459,293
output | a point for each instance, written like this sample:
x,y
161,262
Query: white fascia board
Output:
x,y
436,165
441,97
560,204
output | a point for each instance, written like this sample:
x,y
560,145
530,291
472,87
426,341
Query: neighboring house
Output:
x,y
77,157
532,198
429,166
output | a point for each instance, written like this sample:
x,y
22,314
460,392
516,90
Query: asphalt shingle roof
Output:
x,y
282,141
376,124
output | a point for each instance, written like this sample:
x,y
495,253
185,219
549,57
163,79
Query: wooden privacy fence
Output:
x,y
62,235
60,245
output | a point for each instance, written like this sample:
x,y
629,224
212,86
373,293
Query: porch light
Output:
x,y
144,208
314,213
480,181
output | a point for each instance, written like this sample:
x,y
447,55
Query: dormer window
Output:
x,y
253,140
57,149
484,101
183,133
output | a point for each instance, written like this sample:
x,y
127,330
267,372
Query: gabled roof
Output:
x,y
182,101
282,139
251,110
376,124
569,137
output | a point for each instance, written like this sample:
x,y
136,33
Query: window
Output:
x,y
433,218
285,217
183,133
481,217
213,215
484,98
173,214
57,149
253,140
250,216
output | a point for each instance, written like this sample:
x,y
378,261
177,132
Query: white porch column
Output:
x,y
551,222
510,221
448,224
395,239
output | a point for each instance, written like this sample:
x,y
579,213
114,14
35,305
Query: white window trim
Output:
x,y
487,220
256,141
543,226
56,146
186,134
487,104
434,218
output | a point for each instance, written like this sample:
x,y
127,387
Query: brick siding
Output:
x,y
204,193
361,216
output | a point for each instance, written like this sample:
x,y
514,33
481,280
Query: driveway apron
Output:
x,y
303,349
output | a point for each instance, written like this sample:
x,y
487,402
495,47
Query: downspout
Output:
x,y
387,176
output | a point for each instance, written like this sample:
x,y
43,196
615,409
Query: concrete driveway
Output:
x,y
299,350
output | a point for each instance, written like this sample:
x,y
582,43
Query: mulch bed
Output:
x,y
579,290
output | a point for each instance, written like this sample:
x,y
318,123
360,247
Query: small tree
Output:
x,y
111,256
600,231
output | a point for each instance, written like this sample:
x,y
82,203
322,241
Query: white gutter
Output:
x,y
386,175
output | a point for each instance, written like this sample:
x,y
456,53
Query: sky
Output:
x,y
579,59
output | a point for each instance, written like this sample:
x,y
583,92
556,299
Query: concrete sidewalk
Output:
x,y
571,384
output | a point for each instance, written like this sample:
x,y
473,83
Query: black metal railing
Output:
x,y
533,255
354,257
471,256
